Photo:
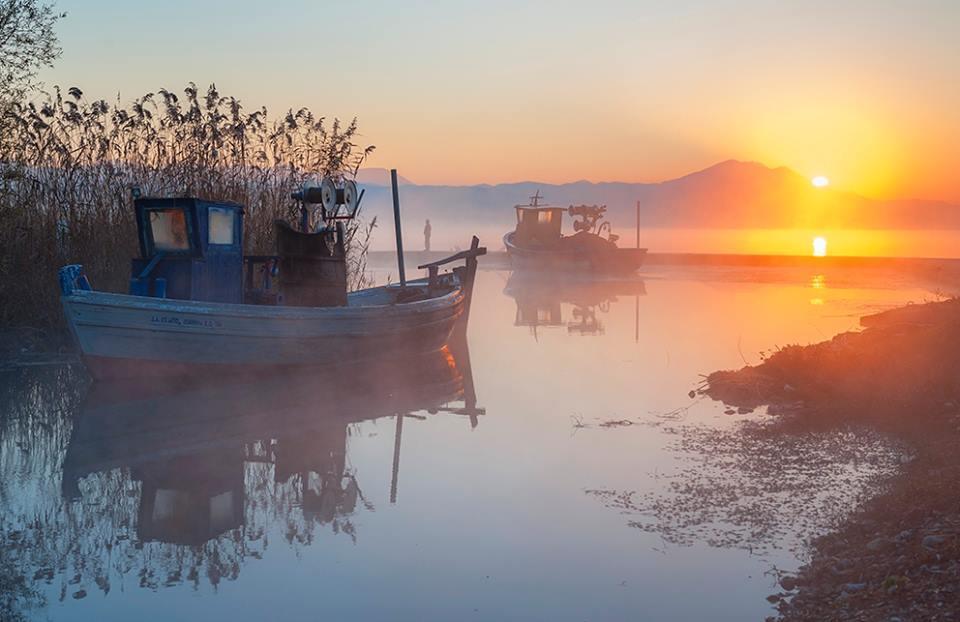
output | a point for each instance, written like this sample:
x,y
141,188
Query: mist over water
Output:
x,y
450,234
590,487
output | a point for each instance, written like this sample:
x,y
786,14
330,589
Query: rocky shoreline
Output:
x,y
898,556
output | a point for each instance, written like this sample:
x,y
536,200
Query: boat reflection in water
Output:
x,y
216,465
540,301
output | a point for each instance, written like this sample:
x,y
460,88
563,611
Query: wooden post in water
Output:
x,y
396,223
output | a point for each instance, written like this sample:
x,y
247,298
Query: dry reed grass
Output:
x,y
68,167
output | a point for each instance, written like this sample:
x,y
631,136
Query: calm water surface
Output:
x,y
552,467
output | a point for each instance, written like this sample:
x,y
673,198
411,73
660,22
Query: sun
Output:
x,y
819,246
820,181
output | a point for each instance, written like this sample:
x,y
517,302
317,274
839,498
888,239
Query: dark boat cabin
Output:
x,y
532,312
190,249
178,507
538,226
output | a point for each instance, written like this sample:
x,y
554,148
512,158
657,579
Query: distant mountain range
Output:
x,y
731,194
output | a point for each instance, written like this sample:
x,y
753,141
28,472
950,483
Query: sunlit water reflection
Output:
x,y
557,470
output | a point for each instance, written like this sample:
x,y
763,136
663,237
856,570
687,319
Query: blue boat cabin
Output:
x,y
190,249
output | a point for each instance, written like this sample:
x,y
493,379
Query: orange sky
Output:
x,y
864,92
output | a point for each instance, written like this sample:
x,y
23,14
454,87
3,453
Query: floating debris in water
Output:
x,y
754,489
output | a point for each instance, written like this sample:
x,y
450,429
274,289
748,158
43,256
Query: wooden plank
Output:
x,y
474,252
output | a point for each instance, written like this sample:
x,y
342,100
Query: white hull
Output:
x,y
121,335
614,261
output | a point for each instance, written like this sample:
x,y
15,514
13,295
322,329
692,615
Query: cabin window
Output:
x,y
220,227
544,217
221,512
168,228
168,503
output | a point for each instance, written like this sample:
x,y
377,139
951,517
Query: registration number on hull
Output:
x,y
171,320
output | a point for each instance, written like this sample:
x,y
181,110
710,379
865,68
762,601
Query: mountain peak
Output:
x,y
742,165
747,171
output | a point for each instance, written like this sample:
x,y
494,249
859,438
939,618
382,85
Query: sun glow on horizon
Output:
x,y
819,246
820,181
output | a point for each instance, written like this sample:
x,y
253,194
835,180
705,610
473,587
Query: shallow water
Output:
x,y
551,468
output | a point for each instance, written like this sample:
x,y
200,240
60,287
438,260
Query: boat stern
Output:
x,y
72,280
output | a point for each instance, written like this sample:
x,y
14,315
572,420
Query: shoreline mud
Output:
x,y
897,557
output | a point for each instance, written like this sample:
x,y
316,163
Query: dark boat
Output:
x,y
538,242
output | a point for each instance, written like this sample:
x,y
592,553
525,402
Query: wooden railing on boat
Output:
x,y
259,293
466,273
471,254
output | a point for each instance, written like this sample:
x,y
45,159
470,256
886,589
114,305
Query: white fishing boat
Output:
x,y
538,243
189,310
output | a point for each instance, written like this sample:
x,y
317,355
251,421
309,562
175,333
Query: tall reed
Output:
x,y
68,167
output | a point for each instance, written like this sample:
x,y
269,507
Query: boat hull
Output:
x,y
612,261
127,336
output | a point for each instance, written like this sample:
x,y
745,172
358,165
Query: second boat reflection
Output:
x,y
539,301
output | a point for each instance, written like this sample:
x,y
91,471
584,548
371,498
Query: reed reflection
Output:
x,y
184,483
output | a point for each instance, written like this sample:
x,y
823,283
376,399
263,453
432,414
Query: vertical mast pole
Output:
x,y
395,473
396,223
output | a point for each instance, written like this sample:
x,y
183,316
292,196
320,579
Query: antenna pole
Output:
x,y
638,224
396,223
